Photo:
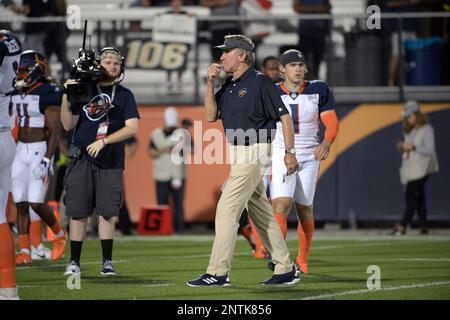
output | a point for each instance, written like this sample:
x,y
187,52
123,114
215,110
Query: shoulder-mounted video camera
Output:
x,y
87,71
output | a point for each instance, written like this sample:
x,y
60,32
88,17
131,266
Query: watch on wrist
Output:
x,y
290,151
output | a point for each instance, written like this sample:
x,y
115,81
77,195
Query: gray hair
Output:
x,y
249,56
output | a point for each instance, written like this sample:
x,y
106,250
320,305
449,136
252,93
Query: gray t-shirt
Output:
x,y
230,9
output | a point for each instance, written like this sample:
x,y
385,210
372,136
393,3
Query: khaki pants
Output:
x,y
245,187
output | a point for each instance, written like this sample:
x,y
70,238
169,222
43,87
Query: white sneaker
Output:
x,y
40,253
72,268
9,294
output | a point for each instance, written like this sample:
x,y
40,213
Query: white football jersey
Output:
x,y
30,108
305,107
10,50
27,111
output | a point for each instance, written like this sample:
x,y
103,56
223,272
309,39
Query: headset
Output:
x,y
122,59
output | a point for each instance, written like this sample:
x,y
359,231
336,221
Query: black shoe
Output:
x,y
423,231
283,280
208,280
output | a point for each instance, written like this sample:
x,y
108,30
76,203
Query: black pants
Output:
x,y
163,190
55,42
415,200
313,47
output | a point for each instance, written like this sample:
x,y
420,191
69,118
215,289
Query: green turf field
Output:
x,y
412,267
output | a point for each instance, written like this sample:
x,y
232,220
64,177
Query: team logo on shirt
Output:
x,y
242,92
98,107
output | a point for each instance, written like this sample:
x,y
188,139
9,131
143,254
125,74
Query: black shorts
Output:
x,y
88,187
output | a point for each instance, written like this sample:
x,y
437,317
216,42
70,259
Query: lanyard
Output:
x,y
112,93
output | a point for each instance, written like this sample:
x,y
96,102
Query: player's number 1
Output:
x,y
295,109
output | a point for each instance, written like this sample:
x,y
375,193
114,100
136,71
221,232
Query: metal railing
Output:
x,y
112,27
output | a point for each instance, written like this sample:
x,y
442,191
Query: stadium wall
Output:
x,y
358,181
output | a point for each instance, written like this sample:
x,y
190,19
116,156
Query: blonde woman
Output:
x,y
418,162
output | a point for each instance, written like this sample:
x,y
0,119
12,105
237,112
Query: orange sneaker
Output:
x,y
23,258
260,253
303,266
59,244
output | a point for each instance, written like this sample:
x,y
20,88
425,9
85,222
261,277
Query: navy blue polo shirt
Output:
x,y
250,102
99,110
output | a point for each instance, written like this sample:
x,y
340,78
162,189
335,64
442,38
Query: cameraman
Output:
x,y
94,178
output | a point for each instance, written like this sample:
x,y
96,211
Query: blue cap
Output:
x,y
292,55
235,43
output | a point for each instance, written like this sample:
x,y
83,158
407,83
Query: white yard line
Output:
x,y
292,236
40,284
206,255
57,265
158,285
313,248
198,238
35,285
402,287
348,246
245,253
419,259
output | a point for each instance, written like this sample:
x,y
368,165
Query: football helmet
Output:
x,y
33,66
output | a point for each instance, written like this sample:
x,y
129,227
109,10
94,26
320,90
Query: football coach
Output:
x,y
249,107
